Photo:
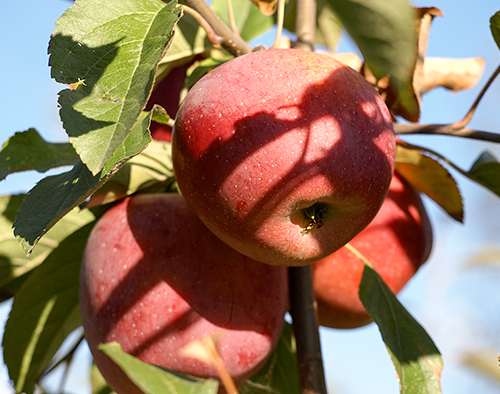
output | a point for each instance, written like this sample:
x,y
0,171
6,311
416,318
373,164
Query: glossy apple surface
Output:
x,y
284,154
397,242
154,278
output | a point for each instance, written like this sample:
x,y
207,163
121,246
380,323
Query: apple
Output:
x,y
397,242
167,94
284,154
154,278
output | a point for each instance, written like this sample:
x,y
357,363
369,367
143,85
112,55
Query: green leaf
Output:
x,y
152,167
99,384
495,27
154,380
429,176
159,114
280,373
189,40
26,151
250,22
108,51
486,172
384,33
15,268
417,360
54,196
44,312
199,69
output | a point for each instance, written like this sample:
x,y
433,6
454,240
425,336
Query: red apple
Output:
x,y
167,94
397,242
284,154
154,278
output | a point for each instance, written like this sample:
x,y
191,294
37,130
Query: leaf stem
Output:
x,y
305,328
445,129
232,21
279,23
462,123
229,40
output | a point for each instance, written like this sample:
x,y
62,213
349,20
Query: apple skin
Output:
x,y
397,242
154,278
268,135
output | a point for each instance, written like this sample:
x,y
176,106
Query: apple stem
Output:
x,y
305,328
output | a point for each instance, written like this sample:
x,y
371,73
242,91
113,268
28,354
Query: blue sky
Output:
x,y
457,305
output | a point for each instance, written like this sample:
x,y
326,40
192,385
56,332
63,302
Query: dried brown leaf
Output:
x,y
428,176
452,74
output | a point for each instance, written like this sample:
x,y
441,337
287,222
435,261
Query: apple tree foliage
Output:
x,y
109,55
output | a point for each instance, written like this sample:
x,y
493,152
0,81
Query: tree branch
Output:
x,y
445,129
230,41
305,26
305,328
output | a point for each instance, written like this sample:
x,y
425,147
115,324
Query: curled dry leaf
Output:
x,y
267,7
452,74
428,176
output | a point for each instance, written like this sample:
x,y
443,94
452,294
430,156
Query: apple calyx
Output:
x,y
313,216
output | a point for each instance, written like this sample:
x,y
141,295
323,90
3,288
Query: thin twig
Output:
x,y
305,328
230,41
445,129
232,21
212,37
465,121
279,23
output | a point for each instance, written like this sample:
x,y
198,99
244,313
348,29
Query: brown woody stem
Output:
x,y
465,121
305,328
305,26
230,41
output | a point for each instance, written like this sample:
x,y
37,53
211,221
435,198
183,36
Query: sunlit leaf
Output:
x,y
54,196
45,310
111,49
428,176
250,21
26,151
384,33
417,360
151,167
14,266
189,40
154,380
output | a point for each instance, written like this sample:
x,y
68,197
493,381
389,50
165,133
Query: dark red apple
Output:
x,y
284,154
154,278
397,242
167,93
